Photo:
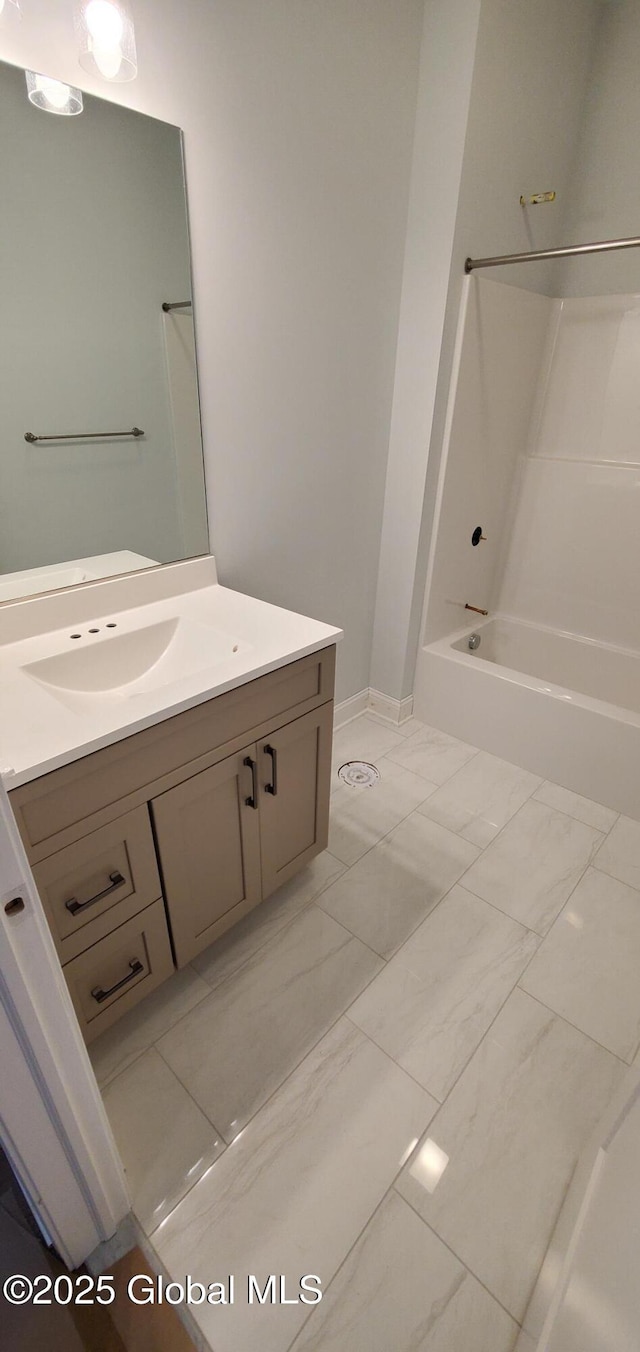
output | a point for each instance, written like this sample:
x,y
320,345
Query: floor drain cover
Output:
x,y
359,774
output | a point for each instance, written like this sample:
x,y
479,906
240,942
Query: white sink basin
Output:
x,y
136,662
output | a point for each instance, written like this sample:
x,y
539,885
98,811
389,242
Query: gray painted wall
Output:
x,y
298,123
603,200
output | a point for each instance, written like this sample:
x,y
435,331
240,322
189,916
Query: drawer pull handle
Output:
x,y
136,968
273,786
253,766
116,880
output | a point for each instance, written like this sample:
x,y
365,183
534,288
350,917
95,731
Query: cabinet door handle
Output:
x,y
253,766
116,880
273,786
136,968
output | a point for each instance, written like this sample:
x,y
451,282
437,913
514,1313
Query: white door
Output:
x,y
53,1126
596,1305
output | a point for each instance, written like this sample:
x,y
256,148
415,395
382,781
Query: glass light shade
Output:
x,y
9,9
52,96
107,39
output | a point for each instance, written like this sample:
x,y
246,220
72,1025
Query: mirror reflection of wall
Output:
x,y
93,239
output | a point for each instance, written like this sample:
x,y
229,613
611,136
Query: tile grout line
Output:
x,y
280,930
563,1019
470,1271
305,1054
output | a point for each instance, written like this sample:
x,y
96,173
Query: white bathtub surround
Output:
x,y
490,408
312,1177
402,1288
560,567
527,1103
564,708
587,967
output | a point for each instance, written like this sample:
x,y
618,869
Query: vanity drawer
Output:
x,y
94,885
56,809
120,970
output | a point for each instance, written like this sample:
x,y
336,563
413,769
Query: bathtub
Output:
x,y
566,708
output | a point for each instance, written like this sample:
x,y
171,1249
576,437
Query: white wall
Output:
x,y
448,50
603,199
531,69
501,349
298,124
530,81
94,238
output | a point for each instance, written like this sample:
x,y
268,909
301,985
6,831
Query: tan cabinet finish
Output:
x,y
209,845
237,792
294,821
94,885
115,974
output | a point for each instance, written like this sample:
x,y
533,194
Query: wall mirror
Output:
x,y
101,465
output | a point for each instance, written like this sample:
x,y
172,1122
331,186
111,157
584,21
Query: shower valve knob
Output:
x,y
477,536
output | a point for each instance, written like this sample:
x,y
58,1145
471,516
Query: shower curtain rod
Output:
x,y
571,251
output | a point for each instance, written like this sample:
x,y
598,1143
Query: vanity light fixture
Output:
x,y
52,96
107,39
9,9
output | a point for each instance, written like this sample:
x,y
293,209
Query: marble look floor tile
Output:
x,y
620,854
526,1343
433,754
165,1142
405,729
228,954
294,1192
481,798
392,888
587,967
362,739
593,814
250,1033
491,1174
434,1001
360,817
141,1027
532,867
402,1290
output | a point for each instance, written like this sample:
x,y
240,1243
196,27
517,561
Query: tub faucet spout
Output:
x,y
476,609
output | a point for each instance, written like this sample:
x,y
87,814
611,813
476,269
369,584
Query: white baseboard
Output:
x,y
393,711
350,709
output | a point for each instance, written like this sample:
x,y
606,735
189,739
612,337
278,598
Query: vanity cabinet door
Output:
x,y
295,777
208,842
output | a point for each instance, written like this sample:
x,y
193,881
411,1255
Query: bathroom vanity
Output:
x,y
165,741
149,846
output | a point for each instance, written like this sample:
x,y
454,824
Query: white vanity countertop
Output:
x,y
197,645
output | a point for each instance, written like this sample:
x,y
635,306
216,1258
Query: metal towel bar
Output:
x,y
83,436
